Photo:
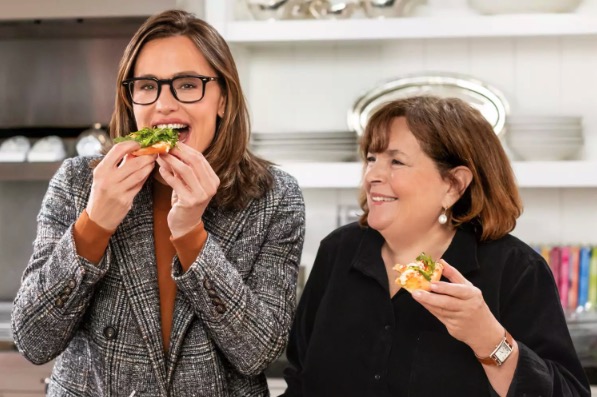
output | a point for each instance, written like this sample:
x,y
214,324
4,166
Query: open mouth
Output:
x,y
182,129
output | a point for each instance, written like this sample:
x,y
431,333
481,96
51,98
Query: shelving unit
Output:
x,y
305,31
540,174
530,174
27,172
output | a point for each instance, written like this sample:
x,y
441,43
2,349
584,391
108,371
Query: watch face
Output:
x,y
503,351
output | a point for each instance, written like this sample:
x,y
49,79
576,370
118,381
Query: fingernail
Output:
x,y
433,286
417,294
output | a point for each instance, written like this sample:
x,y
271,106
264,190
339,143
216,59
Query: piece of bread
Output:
x,y
413,275
157,148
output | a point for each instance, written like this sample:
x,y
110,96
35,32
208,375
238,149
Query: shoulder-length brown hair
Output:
x,y
243,175
453,133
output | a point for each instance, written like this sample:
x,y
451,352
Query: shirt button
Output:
x,y
72,284
67,290
377,377
110,333
59,303
217,302
221,309
207,284
212,293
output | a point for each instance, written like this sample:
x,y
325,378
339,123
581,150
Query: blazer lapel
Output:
x,y
134,252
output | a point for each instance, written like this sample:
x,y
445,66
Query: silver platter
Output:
x,y
488,100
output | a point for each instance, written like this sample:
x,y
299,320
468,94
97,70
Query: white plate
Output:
x,y
488,100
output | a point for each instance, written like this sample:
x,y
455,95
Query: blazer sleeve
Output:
x,y
57,284
250,319
547,363
304,321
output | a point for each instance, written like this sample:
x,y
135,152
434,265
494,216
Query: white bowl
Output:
x,y
522,6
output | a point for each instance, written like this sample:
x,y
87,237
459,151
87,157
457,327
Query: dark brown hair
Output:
x,y
243,176
453,133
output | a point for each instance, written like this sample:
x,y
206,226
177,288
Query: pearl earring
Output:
x,y
443,218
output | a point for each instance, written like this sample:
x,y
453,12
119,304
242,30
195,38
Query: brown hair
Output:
x,y
453,133
243,175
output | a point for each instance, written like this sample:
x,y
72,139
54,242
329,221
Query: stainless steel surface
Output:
x,y
488,100
66,82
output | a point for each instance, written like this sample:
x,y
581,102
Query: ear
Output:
x,y
461,178
222,106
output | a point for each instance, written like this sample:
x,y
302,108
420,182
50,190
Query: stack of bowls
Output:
x,y
544,138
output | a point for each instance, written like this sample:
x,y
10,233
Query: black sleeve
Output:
x,y
547,363
304,320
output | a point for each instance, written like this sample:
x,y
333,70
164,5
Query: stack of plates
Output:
x,y
305,146
545,137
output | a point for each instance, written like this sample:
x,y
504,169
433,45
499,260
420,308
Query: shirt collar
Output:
x,y
461,253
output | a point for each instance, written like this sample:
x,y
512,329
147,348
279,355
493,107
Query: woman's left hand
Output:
x,y
193,182
460,306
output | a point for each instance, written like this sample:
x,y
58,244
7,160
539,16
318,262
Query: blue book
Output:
x,y
583,276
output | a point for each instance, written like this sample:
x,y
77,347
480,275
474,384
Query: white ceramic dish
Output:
x,y
523,6
488,100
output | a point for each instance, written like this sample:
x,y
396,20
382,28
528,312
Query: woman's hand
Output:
x,y
116,181
193,182
460,306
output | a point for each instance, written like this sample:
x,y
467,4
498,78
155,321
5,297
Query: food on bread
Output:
x,y
419,274
152,140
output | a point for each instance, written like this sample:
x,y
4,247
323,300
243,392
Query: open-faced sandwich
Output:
x,y
419,274
152,140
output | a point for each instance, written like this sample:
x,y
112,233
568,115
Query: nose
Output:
x,y
375,173
166,101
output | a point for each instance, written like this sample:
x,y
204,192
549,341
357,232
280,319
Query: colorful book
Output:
x,y
573,277
554,264
583,279
564,281
592,303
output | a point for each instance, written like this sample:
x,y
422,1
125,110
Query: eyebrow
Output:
x,y
185,73
394,152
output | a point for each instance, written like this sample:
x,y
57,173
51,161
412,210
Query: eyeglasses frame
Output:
x,y
204,79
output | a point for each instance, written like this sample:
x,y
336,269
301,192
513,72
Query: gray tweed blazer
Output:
x,y
232,313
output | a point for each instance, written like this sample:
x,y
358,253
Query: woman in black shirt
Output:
x,y
436,180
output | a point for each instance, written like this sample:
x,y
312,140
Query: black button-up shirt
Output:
x,y
350,338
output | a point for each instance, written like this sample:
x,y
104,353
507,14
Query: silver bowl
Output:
x,y
269,9
325,9
390,8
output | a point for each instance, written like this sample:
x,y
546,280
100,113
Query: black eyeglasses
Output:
x,y
186,89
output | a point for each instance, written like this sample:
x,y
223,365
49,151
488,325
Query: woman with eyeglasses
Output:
x,y
169,275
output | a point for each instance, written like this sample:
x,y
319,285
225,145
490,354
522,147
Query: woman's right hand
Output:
x,y
116,181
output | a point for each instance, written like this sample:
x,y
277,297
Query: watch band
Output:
x,y
493,359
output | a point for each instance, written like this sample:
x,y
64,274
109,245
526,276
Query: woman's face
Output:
x,y
405,191
170,57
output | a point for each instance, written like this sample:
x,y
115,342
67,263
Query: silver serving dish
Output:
x,y
488,100
390,8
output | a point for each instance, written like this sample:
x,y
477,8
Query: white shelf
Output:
x,y
535,174
518,25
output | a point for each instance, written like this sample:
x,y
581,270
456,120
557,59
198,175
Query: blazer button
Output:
x,y
221,309
59,302
217,302
207,284
110,333
212,293
72,284
67,290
